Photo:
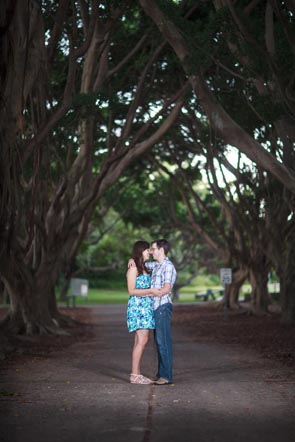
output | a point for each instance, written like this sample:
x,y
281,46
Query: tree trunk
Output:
x,y
64,288
287,284
239,278
4,297
27,313
175,293
33,309
282,254
260,296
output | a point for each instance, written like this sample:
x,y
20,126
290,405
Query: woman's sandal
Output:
x,y
139,379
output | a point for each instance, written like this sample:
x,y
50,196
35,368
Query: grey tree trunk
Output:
x,y
259,295
287,282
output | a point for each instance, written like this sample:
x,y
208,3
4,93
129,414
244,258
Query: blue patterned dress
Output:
x,y
140,313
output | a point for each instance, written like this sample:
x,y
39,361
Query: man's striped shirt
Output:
x,y
163,272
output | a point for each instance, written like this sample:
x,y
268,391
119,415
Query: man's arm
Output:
x,y
164,290
149,264
169,276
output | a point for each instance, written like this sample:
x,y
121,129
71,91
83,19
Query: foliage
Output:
x,y
91,134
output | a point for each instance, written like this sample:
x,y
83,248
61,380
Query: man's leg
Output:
x,y
164,341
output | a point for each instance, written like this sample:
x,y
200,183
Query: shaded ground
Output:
x,y
16,348
77,387
265,335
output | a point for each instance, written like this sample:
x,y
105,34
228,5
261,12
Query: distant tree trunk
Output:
x,y
177,286
287,282
64,288
239,277
281,230
65,280
4,297
260,296
175,293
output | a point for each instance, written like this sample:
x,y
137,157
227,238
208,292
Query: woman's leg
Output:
x,y
140,340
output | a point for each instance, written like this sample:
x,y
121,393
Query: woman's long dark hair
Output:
x,y
138,248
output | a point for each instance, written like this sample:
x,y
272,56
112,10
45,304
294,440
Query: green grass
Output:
x,y
120,295
103,296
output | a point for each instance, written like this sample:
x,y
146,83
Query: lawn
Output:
x,y
120,296
103,296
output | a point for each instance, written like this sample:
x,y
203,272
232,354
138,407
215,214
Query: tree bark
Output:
x,y
259,295
239,277
287,282
33,308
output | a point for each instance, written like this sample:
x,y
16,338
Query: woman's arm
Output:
x,y
131,282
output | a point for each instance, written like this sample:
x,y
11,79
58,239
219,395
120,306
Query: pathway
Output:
x,y
83,394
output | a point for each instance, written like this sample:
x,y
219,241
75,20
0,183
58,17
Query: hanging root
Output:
x,y
43,329
65,320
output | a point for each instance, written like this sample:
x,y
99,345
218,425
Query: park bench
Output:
x,y
206,295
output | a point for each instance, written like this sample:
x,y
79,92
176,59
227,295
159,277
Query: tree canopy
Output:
x,y
97,97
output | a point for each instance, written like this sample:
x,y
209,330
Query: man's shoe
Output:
x,y
162,381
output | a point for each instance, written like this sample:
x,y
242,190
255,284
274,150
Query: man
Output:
x,y
163,277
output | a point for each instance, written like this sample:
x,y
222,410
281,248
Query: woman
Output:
x,y
140,314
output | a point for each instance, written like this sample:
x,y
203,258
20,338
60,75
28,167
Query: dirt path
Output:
x,y
82,393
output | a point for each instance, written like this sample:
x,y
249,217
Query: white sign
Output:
x,y
79,287
226,276
84,290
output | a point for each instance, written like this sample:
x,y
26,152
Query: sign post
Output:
x,y
79,287
225,278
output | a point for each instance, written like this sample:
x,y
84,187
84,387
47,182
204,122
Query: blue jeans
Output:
x,y
163,340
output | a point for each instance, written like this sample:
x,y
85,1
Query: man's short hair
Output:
x,y
162,243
